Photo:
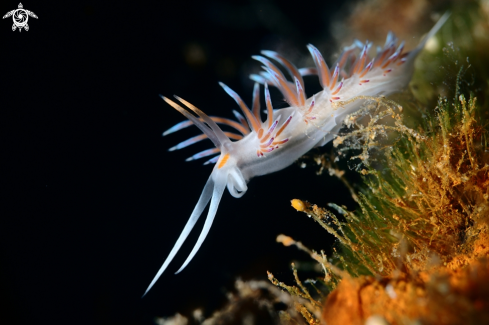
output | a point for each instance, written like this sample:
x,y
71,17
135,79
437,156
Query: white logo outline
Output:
x,y
20,16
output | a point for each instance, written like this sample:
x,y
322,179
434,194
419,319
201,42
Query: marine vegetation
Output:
x,y
416,248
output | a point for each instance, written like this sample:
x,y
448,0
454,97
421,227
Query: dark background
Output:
x,y
92,202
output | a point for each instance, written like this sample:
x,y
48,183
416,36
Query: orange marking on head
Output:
x,y
224,160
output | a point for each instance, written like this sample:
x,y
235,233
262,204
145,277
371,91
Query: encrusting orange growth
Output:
x,y
439,296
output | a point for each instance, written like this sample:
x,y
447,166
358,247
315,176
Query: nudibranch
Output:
x,y
262,147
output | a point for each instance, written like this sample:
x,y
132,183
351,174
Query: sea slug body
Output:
x,y
263,147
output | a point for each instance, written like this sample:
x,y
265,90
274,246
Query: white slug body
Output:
x,y
287,134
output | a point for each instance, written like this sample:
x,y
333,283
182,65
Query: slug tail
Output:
x,y
432,32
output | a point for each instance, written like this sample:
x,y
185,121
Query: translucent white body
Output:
x,y
288,133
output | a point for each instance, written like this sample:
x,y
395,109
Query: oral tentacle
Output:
x,y
219,186
196,213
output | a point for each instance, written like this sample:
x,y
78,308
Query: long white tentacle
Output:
x,y
219,186
201,204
